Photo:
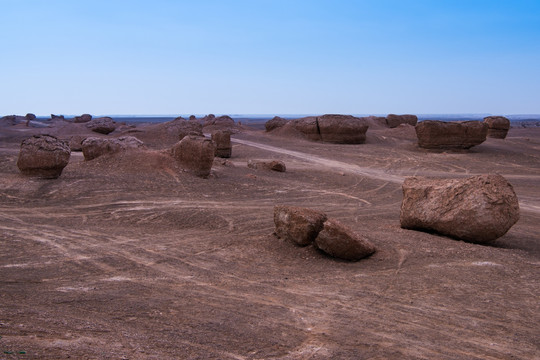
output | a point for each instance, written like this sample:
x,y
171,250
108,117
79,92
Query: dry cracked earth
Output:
x,y
130,258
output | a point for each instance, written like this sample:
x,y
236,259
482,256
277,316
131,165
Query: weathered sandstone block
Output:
x,y
94,147
478,209
393,120
195,154
342,129
433,134
296,224
222,139
102,125
498,126
274,123
84,118
43,156
339,241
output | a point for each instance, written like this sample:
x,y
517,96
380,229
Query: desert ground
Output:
x,y
129,257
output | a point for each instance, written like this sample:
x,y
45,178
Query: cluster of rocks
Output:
x,y
304,226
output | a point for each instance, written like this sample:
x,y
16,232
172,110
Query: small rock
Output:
x,y
339,241
297,224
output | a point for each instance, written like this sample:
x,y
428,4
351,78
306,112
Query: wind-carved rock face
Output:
x,y
434,134
478,209
195,154
43,156
498,126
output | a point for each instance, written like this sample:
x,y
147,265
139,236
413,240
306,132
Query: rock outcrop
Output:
x,y
274,123
498,126
195,154
339,241
221,122
342,129
30,116
102,125
434,134
184,127
43,156
477,209
298,225
84,118
393,120
222,139
275,165
94,147
57,117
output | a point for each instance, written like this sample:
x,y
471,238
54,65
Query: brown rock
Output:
x,y
308,126
43,156
275,123
342,129
296,224
478,209
94,147
222,139
393,120
102,125
30,116
498,126
195,154
57,117
275,165
75,142
84,118
183,127
433,134
339,241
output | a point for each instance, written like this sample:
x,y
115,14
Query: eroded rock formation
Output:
x,y
498,126
434,134
195,154
43,156
94,147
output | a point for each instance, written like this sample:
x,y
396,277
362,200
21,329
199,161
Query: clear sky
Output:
x,y
269,56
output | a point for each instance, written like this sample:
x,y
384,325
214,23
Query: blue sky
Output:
x,y
269,56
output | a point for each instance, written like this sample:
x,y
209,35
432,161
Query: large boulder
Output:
x,y
393,120
84,118
339,241
43,156
434,134
498,126
102,125
57,117
477,209
307,126
94,147
296,224
195,154
342,129
222,139
75,142
274,123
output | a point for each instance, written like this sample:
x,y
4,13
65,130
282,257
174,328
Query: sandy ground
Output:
x,y
130,258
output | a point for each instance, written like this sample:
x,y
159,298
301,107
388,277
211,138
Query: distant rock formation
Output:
x,y
477,209
195,154
340,241
393,120
75,142
94,147
102,125
30,116
222,122
498,126
434,134
222,139
304,226
183,127
338,129
84,118
275,165
192,118
43,156
275,123
298,225
57,117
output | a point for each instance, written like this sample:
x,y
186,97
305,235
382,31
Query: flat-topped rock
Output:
x,y
478,209
393,120
94,147
498,126
434,134
342,129
195,154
